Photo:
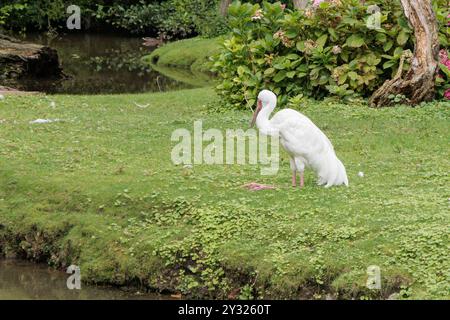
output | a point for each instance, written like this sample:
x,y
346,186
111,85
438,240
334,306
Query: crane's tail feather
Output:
x,y
331,171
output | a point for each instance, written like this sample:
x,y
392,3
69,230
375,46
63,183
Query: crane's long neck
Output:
x,y
263,122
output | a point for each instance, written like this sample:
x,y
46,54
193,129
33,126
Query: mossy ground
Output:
x,y
98,189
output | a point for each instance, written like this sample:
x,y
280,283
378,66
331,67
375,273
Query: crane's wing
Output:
x,y
301,136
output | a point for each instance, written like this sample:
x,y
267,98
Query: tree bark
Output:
x,y
300,4
224,4
419,82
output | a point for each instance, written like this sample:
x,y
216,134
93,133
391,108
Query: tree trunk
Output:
x,y
224,4
419,82
300,4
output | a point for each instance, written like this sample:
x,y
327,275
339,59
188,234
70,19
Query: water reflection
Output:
x,y
21,280
101,63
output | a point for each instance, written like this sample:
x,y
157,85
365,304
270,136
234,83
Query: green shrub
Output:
x,y
171,19
19,14
138,18
327,50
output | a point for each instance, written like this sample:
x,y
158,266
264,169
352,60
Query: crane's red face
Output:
x,y
255,114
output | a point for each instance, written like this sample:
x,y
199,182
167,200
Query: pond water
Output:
x,y
101,63
22,280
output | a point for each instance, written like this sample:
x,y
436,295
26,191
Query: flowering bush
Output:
x,y
333,47
443,79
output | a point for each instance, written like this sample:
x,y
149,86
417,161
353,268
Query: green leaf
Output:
x,y
321,41
444,69
402,38
279,66
388,45
251,102
269,71
324,5
291,34
355,41
353,75
345,56
293,56
300,46
290,74
279,76
302,68
333,34
350,21
389,64
242,69
398,52
342,78
381,37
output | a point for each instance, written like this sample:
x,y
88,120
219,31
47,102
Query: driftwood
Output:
x,y
26,60
419,82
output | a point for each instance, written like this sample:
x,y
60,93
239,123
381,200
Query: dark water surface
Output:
x,y
22,280
101,63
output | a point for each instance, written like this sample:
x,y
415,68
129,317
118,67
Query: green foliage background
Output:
x,y
172,18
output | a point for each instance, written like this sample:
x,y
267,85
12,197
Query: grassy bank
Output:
x,y
185,60
98,189
188,54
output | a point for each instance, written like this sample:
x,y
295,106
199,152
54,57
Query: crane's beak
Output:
x,y
255,114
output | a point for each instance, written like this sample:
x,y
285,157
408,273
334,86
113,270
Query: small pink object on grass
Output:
x,y
254,186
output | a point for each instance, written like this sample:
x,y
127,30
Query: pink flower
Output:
x,y
448,17
443,56
447,94
317,2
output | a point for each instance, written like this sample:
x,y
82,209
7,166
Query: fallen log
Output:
x,y
26,60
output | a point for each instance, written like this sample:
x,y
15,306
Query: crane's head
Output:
x,y
266,98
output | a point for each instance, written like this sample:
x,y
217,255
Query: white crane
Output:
x,y
305,143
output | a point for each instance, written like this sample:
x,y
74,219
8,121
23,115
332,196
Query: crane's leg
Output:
x,y
300,166
302,180
294,173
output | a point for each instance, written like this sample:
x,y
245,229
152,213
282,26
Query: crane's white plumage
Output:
x,y
305,143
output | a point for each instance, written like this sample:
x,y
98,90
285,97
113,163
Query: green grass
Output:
x,y
99,189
